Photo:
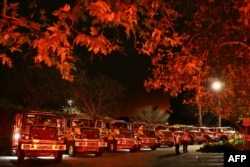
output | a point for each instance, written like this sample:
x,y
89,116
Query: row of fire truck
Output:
x,y
206,134
38,133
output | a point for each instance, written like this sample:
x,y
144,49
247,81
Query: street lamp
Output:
x,y
217,86
70,102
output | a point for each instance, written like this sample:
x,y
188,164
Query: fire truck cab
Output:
x,y
35,133
145,135
165,136
120,136
81,136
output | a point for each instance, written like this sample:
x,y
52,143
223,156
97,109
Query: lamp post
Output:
x,y
70,102
217,86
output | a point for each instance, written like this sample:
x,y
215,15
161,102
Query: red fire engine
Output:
x,y
36,133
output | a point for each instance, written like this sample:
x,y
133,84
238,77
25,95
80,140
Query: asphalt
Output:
x,y
192,158
5,161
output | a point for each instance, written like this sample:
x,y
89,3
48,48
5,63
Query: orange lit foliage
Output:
x,y
214,45
244,10
85,23
182,60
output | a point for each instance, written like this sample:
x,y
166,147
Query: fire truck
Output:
x,y
208,135
120,136
145,135
35,133
81,136
224,133
165,136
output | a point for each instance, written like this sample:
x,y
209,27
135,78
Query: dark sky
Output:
x,y
131,70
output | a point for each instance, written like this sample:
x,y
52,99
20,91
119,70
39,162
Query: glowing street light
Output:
x,y
70,102
217,86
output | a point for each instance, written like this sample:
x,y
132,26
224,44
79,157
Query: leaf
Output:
x,y
66,8
6,36
93,31
6,60
53,28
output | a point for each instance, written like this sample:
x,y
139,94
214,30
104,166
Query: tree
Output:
x,y
151,115
214,47
182,113
52,34
34,88
97,96
244,8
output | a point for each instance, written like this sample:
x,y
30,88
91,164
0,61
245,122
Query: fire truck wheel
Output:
x,y
200,142
58,157
153,147
112,147
99,153
133,149
206,139
171,144
191,142
139,147
224,139
72,150
20,156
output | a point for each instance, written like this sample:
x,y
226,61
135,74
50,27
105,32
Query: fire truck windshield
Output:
x,y
141,126
119,125
82,123
36,119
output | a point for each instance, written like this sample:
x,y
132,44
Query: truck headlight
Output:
x,y
16,136
60,138
77,136
26,137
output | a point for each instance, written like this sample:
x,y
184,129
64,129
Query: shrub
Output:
x,y
217,147
236,142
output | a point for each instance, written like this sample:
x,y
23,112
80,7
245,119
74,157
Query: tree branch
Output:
x,y
236,43
4,7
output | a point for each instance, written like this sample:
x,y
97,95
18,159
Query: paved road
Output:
x,y
161,157
194,159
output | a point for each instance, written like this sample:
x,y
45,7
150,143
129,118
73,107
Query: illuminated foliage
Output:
x,y
189,47
84,23
245,14
214,45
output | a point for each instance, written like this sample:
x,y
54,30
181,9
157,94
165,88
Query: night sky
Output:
x,y
131,70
